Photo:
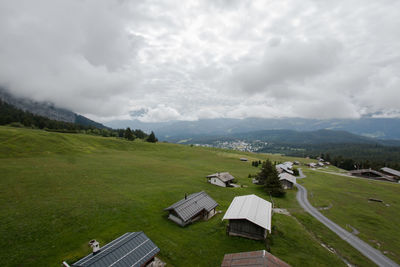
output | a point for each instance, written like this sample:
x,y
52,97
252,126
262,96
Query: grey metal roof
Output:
x,y
251,208
360,171
287,177
223,176
192,205
131,249
391,171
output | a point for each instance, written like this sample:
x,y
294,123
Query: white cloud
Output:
x,y
188,60
160,113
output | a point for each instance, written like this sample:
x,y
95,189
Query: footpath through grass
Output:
x,y
346,202
58,191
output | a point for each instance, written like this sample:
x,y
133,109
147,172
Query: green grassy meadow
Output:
x,y
378,223
58,191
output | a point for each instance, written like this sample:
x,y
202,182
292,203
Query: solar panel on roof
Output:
x,y
130,249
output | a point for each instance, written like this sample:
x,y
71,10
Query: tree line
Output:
x,y
10,115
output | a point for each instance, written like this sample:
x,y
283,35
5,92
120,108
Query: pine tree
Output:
x,y
129,135
152,138
268,176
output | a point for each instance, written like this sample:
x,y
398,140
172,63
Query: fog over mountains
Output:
x,y
380,128
47,109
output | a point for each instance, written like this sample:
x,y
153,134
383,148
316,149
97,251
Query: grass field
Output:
x,y
58,191
378,223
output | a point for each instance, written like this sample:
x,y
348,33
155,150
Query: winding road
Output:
x,y
373,254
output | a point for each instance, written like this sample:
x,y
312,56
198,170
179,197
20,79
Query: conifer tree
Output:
x,y
152,138
268,176
129,135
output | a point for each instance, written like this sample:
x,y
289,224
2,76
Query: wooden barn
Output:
x,y
197,206
391,172
223,179
260,258
249,216
371,174
287,180
130,249
312,165
285,167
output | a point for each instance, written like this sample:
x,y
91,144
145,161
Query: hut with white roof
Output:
x,y
287,180
249,216
285,167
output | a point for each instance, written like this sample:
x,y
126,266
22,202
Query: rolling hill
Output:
x,y
58,191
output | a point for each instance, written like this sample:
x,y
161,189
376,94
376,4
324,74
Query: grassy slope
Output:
x,y
58,191
378,223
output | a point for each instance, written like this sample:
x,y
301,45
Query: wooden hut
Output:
x,y
223,179
287,180
249,216
371,174
197,206
130,249
285,167
391,172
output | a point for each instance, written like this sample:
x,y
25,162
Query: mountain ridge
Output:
x,y
48,110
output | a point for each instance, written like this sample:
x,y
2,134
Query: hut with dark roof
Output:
x,y
194,207
223,179
371,174
131,249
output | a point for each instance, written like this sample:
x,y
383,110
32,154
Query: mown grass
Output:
x,y
58,191
378,223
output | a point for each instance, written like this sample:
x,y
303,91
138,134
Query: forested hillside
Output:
x,y
10,115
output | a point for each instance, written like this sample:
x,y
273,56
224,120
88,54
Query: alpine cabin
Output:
x,y
194,207
130,249
249,216
223,179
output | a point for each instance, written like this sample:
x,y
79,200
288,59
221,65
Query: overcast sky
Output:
x,y
188,60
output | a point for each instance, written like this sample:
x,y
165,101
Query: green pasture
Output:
x,y
58,191
348,204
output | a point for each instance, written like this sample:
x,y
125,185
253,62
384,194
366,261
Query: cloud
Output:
x,y
211,59
294,61
159,113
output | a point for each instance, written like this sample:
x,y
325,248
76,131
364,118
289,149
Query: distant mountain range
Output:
x,y
300,129
292,137
47,110
381,128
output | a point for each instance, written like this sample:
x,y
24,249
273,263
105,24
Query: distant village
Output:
x,y
239,145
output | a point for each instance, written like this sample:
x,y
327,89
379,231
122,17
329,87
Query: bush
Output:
x,y
16,124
